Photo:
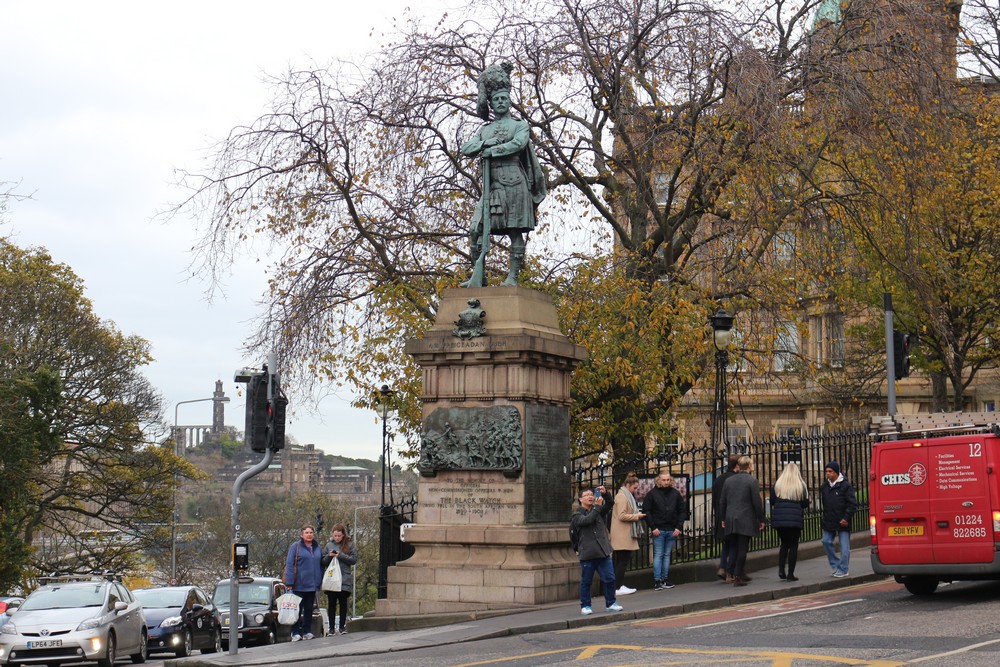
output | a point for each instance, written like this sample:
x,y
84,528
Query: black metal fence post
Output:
x,y
391,548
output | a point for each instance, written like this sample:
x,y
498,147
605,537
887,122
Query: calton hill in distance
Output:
x,y
788,166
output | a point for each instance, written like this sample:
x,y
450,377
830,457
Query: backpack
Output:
x,y
574,536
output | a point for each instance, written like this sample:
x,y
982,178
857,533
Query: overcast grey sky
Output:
x,y
101,102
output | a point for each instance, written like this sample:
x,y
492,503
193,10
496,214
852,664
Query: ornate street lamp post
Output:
x,y
722,336
384,403
388,522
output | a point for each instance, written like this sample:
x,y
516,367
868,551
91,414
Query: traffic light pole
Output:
x,y
890,354
250,436
234,585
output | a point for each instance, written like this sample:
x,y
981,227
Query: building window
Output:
x,y
734,351
737,435
835,334
818,342
784,247
661,189
786,346
790,444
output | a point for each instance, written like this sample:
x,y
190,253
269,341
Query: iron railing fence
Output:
x,y
695,469
391,547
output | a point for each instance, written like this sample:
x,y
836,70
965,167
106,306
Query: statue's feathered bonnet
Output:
x,y
495,77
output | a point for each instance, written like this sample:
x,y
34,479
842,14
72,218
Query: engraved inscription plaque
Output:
x,y
546,465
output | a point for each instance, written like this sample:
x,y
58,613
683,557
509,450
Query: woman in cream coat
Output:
x,y
626,526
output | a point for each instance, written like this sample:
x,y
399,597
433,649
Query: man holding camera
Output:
x,y
594,548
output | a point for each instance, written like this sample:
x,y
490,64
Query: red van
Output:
x,y
935,509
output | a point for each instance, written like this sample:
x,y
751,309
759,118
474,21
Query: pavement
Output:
x,y
697,589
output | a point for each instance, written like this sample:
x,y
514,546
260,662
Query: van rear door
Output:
x,y
961,515
901,503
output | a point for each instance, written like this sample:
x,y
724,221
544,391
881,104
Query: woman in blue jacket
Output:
x,y
789,500
304,574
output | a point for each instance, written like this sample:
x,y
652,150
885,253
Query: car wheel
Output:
x,y
216,643
109,654
921,585
186,647
272,635
140,657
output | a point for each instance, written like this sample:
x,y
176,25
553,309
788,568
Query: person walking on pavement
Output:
x,y
743,516
304,574
666,513
594,549
626,528
725,554
789,500
839,505
341,548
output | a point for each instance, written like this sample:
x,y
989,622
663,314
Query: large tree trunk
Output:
x,y
939,392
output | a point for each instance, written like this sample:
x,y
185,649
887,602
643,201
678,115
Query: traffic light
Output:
x,y
901,343
276,420
257,412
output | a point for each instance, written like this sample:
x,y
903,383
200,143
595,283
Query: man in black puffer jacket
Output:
x,y
594,548
839,505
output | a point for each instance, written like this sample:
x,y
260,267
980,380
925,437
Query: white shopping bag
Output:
x,y
288,608
331,578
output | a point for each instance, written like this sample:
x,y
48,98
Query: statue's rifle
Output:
x,y
478,278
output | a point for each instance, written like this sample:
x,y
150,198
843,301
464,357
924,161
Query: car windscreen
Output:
x,y
249,594
155,598
65,597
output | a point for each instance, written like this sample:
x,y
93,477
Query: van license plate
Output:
x,y
905,531
45,643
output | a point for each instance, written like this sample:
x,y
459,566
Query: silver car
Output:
x,y
69,621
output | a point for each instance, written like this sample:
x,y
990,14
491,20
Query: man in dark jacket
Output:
x,y
594,548
725,555
839,505
666,513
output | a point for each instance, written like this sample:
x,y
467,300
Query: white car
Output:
x,y
69,621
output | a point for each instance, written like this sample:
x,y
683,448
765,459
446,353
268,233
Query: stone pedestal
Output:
x,y
494,495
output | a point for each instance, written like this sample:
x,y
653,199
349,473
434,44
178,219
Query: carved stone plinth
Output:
x,y
494,494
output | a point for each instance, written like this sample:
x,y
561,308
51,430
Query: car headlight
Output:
x,y
8,629
89,624
258,619
170,622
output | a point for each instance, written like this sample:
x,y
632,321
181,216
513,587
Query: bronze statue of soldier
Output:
x,y
513,180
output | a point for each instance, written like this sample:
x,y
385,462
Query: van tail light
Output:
x,y
871,524
996,522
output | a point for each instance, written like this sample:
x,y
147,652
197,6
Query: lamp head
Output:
x,y
384,400
722,329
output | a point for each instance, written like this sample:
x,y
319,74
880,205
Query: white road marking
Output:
x,y
964,649
779,613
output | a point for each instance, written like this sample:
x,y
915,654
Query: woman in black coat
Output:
x,y
743,515
789,500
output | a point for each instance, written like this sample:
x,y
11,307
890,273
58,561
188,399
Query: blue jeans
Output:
x,y
606,570
663,545
844,562
304,625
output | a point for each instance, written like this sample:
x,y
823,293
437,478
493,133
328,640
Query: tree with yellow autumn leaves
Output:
x,y
682,155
